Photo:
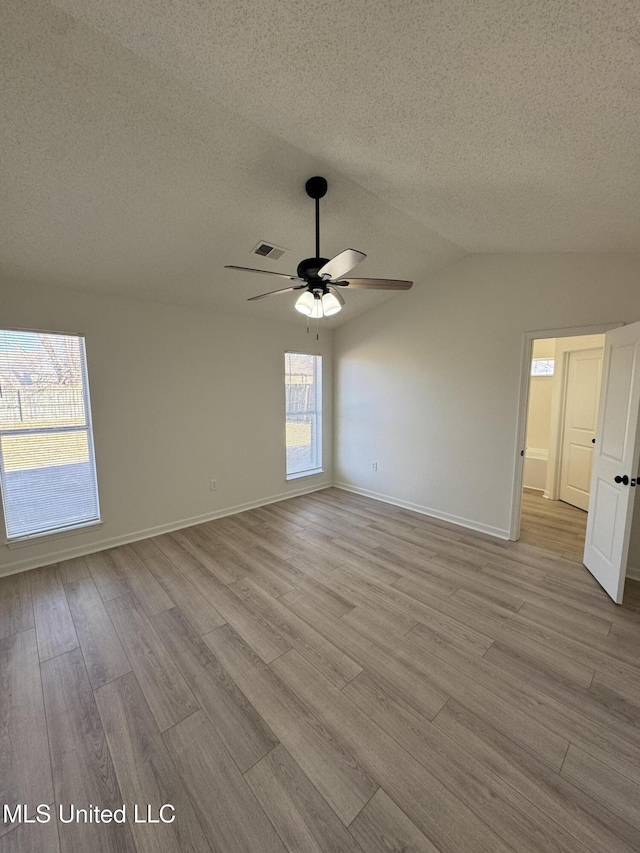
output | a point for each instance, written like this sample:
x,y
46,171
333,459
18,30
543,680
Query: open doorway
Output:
x,y
564,392
612,541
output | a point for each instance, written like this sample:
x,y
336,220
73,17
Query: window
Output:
x,y
303,385
47,467
542,367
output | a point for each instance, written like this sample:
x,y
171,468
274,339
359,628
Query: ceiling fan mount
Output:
x,y
322,278
316,187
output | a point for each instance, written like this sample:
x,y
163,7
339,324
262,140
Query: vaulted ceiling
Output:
x,y
145,145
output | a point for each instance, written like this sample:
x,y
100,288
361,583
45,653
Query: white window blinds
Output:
x,y
47,466
303,386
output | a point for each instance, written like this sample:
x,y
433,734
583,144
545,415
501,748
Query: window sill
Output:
x,y
24,541
305,474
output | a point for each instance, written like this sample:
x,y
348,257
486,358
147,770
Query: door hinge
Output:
x,y
522,453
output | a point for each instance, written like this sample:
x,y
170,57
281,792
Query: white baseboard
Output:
x,y
498,532
81,550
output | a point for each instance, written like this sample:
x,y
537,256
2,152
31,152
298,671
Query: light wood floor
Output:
x,y
553,525
328,673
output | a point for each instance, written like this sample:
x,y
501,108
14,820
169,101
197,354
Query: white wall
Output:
x,y
539,421
427,385
633,567
633,560
179,397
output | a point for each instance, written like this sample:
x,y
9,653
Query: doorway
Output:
x,y
556,431
563,396
612,542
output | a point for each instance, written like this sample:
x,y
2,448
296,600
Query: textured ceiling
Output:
x,y
146,144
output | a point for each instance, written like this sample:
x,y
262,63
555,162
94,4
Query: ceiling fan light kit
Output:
x,y
314,306
319,277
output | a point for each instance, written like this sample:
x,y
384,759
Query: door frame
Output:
x,y
523,407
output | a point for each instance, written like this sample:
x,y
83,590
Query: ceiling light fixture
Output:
x,y
314,304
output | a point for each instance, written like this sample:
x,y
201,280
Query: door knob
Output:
x,y
624,480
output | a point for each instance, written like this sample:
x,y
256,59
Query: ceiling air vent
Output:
x,y
268,250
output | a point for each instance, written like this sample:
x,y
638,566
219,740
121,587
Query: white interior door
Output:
x,y
615,462
584,371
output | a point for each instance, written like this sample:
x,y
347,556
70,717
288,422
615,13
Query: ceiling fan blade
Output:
x,y
337,295
374,284
341,264
282,290
264,272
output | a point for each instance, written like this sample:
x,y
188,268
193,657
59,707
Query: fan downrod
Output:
x,y
316,187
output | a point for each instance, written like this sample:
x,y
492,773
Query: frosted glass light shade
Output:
x,y
315,307
306,303
330,305
316,310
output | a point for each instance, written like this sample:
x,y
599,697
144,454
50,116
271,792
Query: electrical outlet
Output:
x,y
214,485
374,466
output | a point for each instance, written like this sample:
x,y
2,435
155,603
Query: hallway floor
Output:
x,y
553,525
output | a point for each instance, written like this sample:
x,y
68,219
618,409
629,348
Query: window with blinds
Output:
x,y
542,366
47,465
303,387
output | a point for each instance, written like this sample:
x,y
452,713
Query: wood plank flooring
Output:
x,y
328,673
554,525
